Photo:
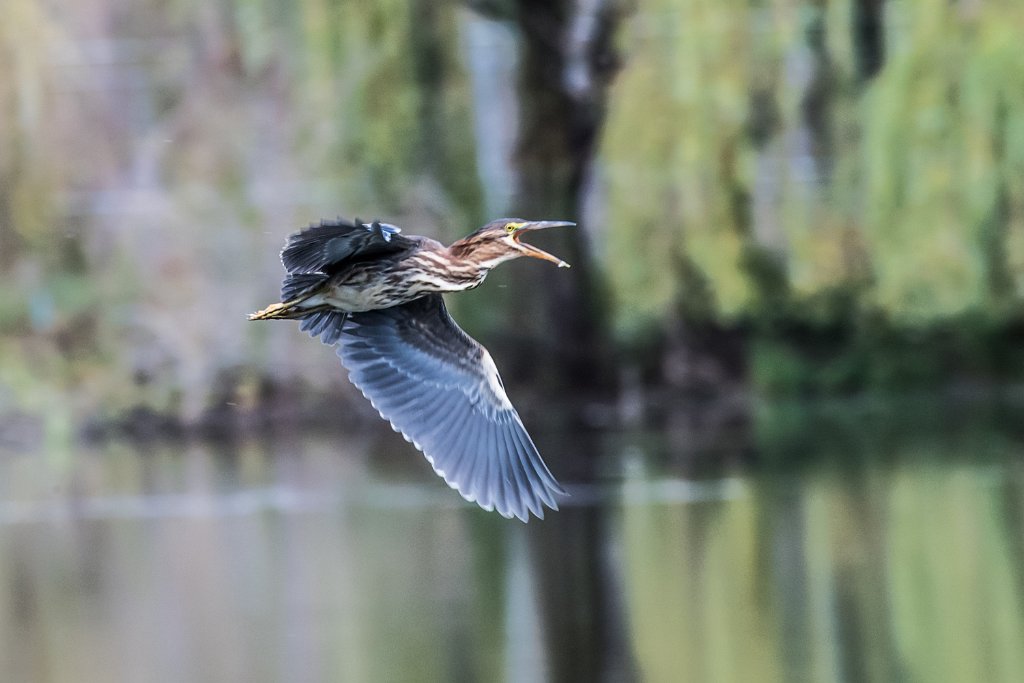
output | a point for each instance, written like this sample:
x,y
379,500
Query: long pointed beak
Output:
x,y
530,250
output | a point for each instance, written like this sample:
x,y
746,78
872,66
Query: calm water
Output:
x,y
344,558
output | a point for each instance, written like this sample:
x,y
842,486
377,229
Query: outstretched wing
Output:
x,y
312,255
441,390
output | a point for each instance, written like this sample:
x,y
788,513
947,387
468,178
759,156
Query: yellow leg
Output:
x,y
276,312
289,310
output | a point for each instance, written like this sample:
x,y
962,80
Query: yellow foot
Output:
x,y
272,312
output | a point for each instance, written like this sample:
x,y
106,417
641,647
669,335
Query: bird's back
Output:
x,y
331,249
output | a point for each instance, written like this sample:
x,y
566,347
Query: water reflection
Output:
x,y
344,559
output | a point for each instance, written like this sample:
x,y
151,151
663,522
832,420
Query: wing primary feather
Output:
x,y
379,390
400,395
519,468
431,417
475,461
328,325
536,462
502,478
388,406
481,473
503,456
523,483
333,328
379,374
491,477
460,453
358,350
517,494
525,451
395,389
534,499
414,420
372,333
445,416
463,468
544,490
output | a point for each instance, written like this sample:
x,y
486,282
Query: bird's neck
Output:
x,y
439,269
460,262
468,257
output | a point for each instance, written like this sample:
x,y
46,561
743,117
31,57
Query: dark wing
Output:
x,y
441,390
320,251
322,248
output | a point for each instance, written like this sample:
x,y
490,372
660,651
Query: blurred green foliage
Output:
x,y
723,155
862,226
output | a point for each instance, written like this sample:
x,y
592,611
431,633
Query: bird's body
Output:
x,y
372,285
377,295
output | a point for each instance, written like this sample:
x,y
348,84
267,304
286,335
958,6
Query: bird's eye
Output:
x,y
511,227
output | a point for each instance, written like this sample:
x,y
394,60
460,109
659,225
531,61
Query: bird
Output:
x,y
376,295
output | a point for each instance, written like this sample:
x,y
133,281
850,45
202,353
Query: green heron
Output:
x,y
377,295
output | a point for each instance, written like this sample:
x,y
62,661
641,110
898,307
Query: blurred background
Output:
x,y
782,381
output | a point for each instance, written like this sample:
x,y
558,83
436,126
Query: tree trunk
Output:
x,y
566,64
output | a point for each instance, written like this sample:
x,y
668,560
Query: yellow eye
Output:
x,y
512,227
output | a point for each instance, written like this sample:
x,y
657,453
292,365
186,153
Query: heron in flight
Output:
x,y
376,294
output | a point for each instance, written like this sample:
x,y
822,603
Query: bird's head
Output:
x,y
499,241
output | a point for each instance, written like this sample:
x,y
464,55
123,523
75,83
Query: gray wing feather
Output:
x,y
439,388
324,324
